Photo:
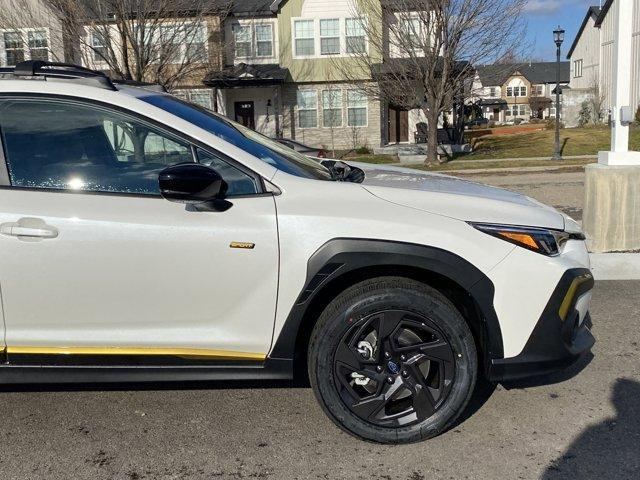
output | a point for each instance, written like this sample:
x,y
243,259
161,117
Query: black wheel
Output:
x,y
391,360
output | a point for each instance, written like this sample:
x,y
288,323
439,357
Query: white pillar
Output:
x,y
619,154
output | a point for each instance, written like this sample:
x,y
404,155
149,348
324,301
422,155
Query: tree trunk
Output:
x,y
432,136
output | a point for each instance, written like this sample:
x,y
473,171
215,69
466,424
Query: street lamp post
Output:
x,y
558,38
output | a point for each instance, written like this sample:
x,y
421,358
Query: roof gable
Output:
x,y
536,73
593,12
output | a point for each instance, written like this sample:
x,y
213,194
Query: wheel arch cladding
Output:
x,y
343,262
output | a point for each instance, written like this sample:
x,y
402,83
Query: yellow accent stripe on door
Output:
x,y
176,352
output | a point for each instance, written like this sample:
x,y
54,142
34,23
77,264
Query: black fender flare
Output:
x,y
343,255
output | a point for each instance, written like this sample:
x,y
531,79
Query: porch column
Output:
x,y
612,186
276,106
622,53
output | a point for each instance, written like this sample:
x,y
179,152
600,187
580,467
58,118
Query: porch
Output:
x,y
251,95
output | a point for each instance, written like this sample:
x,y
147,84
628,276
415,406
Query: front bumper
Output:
x,y
561,335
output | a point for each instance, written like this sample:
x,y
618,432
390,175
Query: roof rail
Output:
x,y
154,87
55,70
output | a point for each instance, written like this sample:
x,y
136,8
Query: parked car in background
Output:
x,y
302,148
477,122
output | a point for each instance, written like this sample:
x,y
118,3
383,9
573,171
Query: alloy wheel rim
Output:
x,y
393,368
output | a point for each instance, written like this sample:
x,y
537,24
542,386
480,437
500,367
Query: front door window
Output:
x,y
86,148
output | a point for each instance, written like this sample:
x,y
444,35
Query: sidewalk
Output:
x,y
407,160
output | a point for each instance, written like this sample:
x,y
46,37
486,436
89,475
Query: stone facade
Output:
x,y
343,137
572,100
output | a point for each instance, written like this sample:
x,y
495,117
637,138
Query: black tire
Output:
x,y
367,328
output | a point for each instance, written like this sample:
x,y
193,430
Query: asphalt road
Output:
x,y
563,190
586,427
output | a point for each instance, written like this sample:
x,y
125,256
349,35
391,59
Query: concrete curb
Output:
x,y
615,266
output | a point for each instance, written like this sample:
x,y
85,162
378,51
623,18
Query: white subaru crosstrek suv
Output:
x,y
146,239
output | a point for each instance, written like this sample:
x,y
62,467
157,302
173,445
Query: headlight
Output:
x,y
541,240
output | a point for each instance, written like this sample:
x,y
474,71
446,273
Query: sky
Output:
x,y
543,16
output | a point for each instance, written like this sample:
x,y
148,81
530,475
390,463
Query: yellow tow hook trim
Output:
x,y
563,311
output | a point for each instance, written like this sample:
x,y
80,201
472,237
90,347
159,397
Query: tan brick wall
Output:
x,y
343,137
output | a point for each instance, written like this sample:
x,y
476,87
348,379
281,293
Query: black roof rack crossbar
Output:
x,y
39,68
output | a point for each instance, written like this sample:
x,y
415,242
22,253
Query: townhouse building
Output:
x,y
285,75
591,57
276,66
518,92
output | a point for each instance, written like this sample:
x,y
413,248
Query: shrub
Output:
x,y
584,115
363,150
551,124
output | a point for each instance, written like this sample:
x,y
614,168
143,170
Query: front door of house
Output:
x,y
245,114
496,114
398,125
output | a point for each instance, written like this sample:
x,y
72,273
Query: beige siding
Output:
x,y
587,50
606,51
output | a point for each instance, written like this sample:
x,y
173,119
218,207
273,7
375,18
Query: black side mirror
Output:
x,y
191,183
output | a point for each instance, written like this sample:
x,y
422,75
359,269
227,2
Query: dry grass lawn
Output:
x,y
574,141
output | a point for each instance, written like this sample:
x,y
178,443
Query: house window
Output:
x,y
330,37
492,91
538,90
514,110
13,48
99,47
177,43
307,108
332,108
38,45
242,39
523,110
355,35
304,38
509,91
170,44
507,112
197,49
523,91
577,68
356,108
411,28
264,40
201,97
25,45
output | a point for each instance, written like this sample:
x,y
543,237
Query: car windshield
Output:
x,y
267,150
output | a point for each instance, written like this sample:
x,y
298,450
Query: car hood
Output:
x,y
457,198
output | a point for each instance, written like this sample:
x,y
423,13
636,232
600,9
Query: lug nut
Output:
x,y
405,373
378,369
390,380
386,355
403,358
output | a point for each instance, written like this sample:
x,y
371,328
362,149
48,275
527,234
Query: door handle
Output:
x,y
28,227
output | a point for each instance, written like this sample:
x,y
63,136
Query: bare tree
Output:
x,y
169,42
597,99
538,103
421,52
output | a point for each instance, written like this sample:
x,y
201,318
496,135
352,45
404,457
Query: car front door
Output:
x,y
93,260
